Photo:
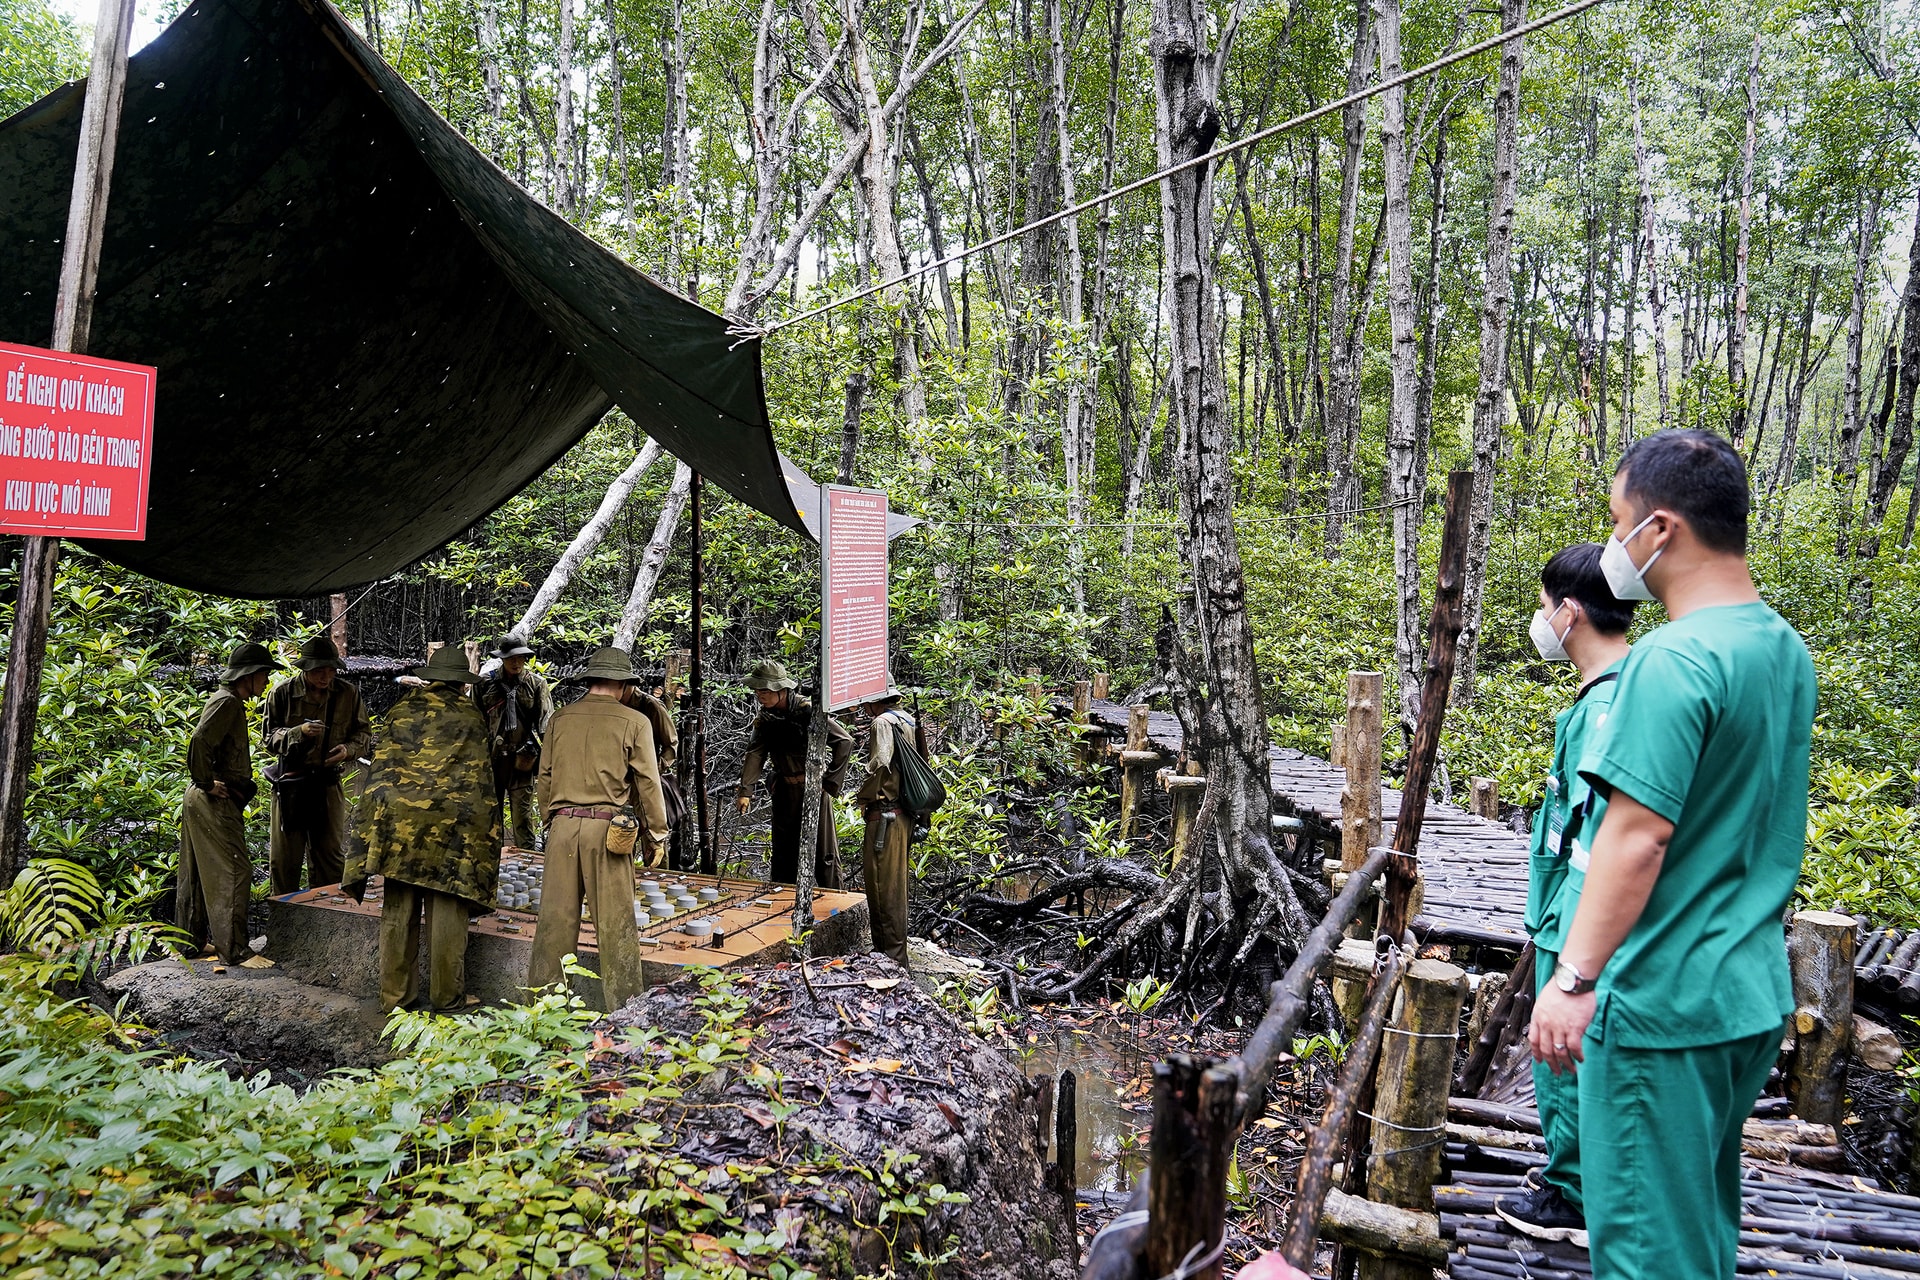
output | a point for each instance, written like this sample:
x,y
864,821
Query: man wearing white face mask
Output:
x,y
1671,986
1582,622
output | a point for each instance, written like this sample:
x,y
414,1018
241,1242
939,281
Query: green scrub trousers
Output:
x,y
1557,1098
1660,1154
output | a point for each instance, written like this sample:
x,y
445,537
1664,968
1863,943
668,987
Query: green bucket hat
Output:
x,y
319,652
246,660
770,675
448,664
512,647
609,663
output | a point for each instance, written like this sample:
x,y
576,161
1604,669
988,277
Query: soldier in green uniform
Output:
x,y
216,874
315,724
1580,621
780,740
889,830
428,825
599,761
517,704
1672,988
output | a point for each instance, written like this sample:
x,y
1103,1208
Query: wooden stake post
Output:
x,y
72,321
1360,798
1184,790
1416,1070
1136,759
1082,714
1485,801
1820,950
337,626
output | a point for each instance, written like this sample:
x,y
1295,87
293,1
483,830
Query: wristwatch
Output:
x,y
1569,979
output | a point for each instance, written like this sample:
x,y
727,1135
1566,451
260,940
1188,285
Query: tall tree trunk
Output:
x,y
1847,464
1402,363
653,561
487,33
565,198
1737,333
1496,305
1232,722
587,541
1900,435
1343,480
1656,301
1076,424
936,231
676,149
1434,309
616,58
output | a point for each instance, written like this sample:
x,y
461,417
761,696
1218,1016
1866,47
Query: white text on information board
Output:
x,y
853,538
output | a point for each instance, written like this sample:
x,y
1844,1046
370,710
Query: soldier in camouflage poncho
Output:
x,y
429,824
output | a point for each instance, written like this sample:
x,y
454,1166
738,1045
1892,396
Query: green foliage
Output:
x,y
58,911
1863,846
472,1154
39,50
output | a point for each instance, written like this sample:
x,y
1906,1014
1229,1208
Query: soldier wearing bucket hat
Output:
x,y
215,873
517,704
600,761
315,726
429,826
889,830
779,743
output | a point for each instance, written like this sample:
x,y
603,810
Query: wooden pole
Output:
x,y
1820,951
1102,685
1134,758
812,798
1443,637
1082,697
1485,802
1360,807
1190,1148
1066,1150
1410,1101
1183,790
698,680
1329,1137
72,324
337,624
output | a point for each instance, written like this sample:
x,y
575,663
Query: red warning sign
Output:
x,y
853,535
75,434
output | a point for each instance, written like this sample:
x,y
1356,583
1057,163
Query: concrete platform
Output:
x,y
326,939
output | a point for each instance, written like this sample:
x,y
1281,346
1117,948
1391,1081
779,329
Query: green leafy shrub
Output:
x,y
1863,846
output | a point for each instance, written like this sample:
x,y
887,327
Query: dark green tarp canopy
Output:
x,y
368,337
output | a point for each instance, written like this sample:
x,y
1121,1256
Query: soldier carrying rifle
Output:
x,y
517,704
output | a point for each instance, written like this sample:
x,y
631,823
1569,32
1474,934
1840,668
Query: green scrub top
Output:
x,y
1711,728
1558,864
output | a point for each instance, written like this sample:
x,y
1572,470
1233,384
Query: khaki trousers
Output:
x,y
401,909
789,799
321,852
885,868
520,804
215,876
579,868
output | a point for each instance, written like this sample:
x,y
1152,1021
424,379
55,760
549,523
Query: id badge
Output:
x,y
1556,832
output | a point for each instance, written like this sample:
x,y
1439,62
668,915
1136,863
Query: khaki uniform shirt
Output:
x,y
534,712
666,739
883,783
780,740
218,750
294,702
600,755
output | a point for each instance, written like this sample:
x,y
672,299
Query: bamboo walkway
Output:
x,y
1474,870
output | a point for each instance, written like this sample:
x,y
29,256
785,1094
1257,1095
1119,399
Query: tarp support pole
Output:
x,y
72,318
699,680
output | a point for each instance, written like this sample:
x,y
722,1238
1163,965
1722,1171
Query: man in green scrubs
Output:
x,y
1579,621
1672,990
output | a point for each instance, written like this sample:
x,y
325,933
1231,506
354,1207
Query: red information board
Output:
x,y
75,434
853,580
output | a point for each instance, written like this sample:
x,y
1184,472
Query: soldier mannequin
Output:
x,y
889,831
429,825
599,759
780,739
315,724
517,704
216,874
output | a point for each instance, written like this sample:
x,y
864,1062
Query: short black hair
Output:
x,y
1695,474
1574,574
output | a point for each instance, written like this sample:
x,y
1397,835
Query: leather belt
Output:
x,y
604,815
795,780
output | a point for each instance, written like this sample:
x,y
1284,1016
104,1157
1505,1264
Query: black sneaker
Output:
x,y
1542,1212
